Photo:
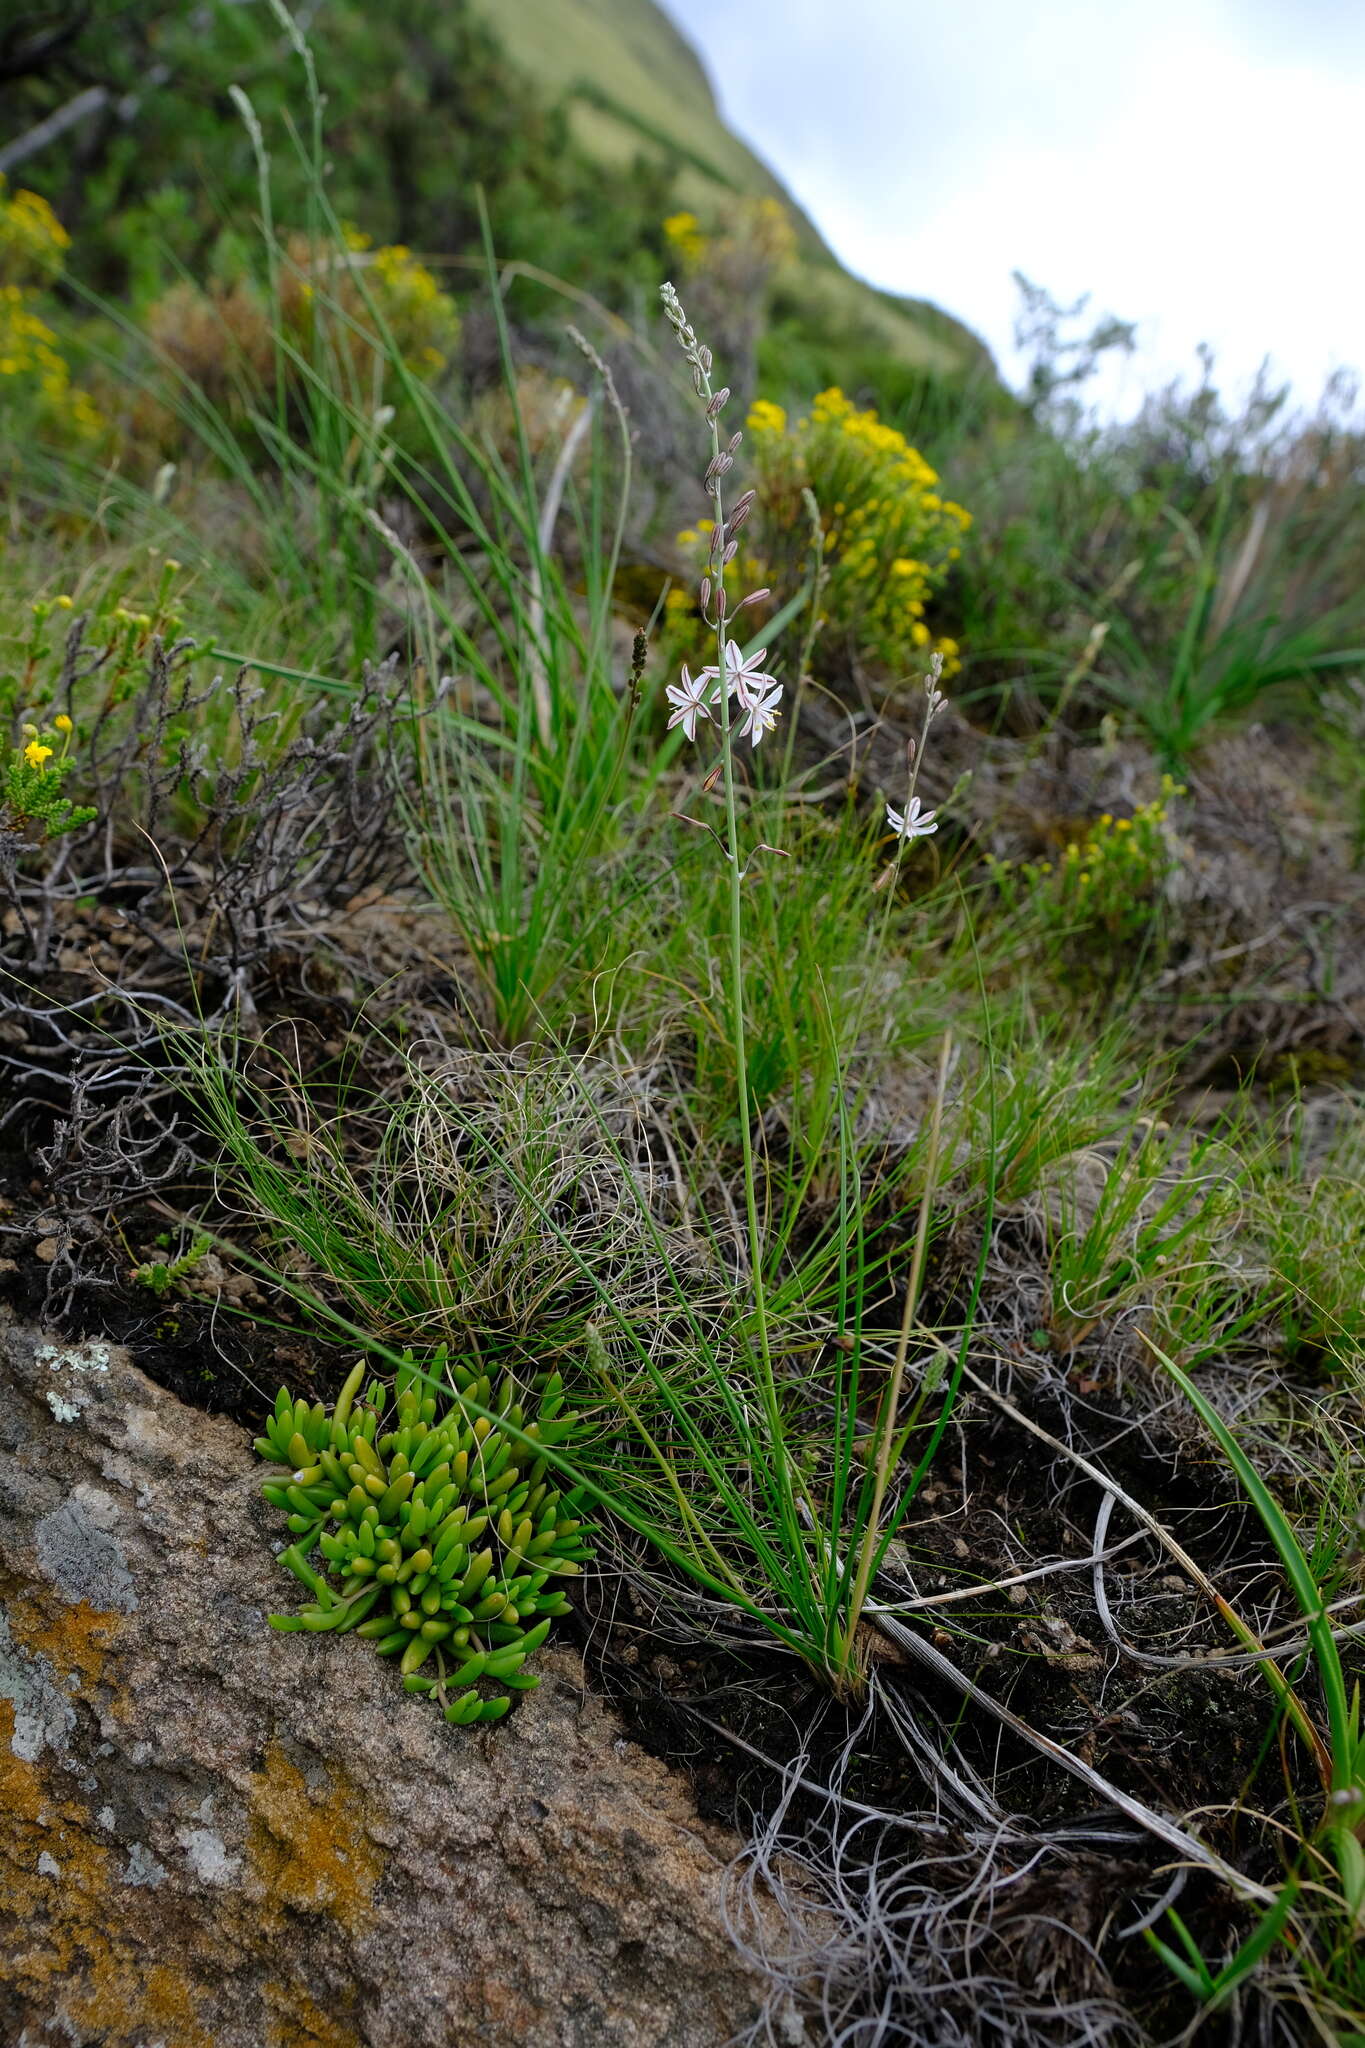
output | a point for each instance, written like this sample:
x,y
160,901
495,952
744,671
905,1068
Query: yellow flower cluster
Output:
x,y
889,535
34,373
757,235
683,233
1104,884
766,418
421,316
33,242
31,800
34,368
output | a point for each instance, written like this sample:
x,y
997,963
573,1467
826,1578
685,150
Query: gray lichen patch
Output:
x,y
207,1855
142,1867
43,1714
80,1558
90,1356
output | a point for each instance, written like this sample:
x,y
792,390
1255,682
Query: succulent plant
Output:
x,y
441,1537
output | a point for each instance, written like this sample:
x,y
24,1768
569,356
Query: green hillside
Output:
x,y
629,80
426,108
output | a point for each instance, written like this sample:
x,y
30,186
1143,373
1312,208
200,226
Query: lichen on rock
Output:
x,y
215,1836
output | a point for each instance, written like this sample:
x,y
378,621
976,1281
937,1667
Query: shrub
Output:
x,y
1102,892
36,392
352,313
888,537
33,242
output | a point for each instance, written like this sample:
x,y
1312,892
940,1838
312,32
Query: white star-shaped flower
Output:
x,y
914,822
744,677
689,699
760,715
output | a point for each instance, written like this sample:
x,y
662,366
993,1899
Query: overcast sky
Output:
x,y
1198,166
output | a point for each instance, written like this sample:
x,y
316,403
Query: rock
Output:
x,y
216,1836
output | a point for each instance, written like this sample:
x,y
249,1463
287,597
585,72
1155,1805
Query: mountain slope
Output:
x,y
632,84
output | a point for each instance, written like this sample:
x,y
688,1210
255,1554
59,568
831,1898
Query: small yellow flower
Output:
x,y
1124,825
63,723
35,753
63,603
765,417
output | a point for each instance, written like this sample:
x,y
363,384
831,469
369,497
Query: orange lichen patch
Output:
x,y
126,2001
21,1787
310,1853
298,2021
36,1816
74,1640
85,1948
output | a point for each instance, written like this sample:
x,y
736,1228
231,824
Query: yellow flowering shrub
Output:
x,y
889,535
33,242
683,234
1104,886
36,389
419,316
119,623
221,337
757,236
32,805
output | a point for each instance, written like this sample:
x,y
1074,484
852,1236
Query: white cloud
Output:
x,y
1194,164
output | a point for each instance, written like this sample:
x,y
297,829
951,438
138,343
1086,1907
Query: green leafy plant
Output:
x,y
1335,1858
1103,892
161,1276
38,766
441,1536
1162,1213
1235,642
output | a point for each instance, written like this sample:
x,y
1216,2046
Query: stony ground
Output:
x,y
215,1836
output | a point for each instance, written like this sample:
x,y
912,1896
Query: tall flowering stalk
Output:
x,y
733,683
737,694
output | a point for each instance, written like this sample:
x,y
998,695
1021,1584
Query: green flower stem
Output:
x,y
886,1421
767,1378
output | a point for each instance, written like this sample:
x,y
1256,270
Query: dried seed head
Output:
x,y
639,654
